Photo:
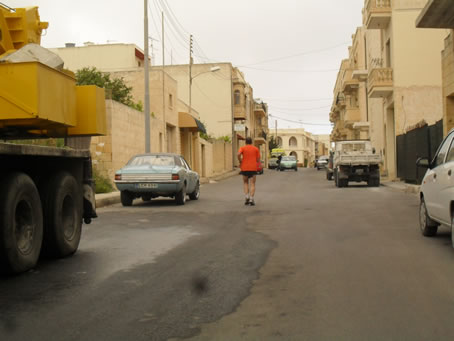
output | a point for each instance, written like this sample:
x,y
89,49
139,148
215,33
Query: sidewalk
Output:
x,y
402,186
107,199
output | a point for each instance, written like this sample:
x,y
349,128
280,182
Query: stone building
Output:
x,y
299,143
391,83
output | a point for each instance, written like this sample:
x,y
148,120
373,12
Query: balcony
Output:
x,y
259,110
349,83
239,113
381,82
260,136
377,14
334,116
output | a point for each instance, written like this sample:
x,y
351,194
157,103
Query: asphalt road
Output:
x,y
309,262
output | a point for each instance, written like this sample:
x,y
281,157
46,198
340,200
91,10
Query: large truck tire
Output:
x,y
62,208
21,223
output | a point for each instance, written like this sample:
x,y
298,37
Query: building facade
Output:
x,y
439,14
391,83
299,143
104,57
225,101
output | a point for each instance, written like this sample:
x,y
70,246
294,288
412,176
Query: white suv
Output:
x,y
437,189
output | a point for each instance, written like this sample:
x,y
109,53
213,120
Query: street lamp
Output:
x,y
212,69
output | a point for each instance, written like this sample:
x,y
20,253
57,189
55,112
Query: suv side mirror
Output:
x,y
423,162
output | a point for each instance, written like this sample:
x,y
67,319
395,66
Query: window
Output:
x,y
185,164
450,156
293,142
178,162
442,151
152,160
170,100
236,98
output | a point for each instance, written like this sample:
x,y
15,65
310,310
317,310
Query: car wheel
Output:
x,y
428,226
196,194
180,197
126,198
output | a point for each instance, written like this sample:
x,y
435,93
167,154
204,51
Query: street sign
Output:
x,y
240,127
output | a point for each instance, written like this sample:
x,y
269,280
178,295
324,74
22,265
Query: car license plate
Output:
x,y
147,186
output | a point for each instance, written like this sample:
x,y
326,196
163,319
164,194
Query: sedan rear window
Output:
x,y
153,160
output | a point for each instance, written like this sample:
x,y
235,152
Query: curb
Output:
x,y
220,177
403,187
107,199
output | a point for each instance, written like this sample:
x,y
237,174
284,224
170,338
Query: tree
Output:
x,y
117,86
272,143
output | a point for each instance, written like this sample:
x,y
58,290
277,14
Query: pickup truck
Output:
x,y
356,161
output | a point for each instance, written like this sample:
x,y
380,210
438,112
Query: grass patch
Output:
x,y
102,182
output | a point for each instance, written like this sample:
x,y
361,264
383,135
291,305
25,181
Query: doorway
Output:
x,y
390,143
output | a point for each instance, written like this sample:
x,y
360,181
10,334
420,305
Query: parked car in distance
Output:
x,y
321,162
329,167
272,163
288,162
149,176
260,167
437,190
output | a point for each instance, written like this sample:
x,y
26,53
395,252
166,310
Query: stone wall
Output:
x,y
448,84
125,138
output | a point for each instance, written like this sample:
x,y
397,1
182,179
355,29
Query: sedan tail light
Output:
x,y
175,177
117,176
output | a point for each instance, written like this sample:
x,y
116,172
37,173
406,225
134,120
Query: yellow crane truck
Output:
x,y
46,193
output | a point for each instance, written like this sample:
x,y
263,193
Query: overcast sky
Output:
x,y
289,50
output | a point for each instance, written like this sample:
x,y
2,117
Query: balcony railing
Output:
x,y
350,84
377,14
381,82
260,136
259,110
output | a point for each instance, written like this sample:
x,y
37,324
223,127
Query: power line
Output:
x,y
290,71
275,99
300,109
296,55
299,122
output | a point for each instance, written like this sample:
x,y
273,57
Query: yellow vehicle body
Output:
x,y
35,95
19,27
37,100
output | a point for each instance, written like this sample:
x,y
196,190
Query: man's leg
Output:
x,y
246,188
252,202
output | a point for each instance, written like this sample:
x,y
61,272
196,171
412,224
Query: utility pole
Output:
x,y
190,73
146,80
275,130
163,86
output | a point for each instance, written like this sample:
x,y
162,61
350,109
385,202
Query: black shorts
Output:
x,y
249,174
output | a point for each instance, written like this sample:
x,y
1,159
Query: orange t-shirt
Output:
x,y
250,156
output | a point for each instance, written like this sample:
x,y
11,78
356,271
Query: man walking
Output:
x,y
249,156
